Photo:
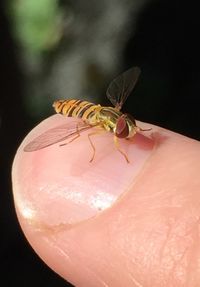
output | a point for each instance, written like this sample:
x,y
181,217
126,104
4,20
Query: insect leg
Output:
x,y
92,145
77,136
116,142
143,130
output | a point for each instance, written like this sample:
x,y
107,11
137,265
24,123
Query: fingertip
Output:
x,y
59,195
61,184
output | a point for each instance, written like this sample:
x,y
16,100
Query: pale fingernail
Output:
x,y
58,185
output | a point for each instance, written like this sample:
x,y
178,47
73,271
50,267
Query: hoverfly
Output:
x,y
108,118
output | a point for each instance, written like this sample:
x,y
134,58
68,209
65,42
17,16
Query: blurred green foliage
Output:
x,y
37,25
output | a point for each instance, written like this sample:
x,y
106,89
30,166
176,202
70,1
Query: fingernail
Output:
x,y
58,185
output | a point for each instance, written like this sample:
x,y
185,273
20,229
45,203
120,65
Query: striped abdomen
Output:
x,y
76,108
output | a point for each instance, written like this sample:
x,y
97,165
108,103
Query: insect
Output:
x,y
107,118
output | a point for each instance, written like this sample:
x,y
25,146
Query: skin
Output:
x,y
110,223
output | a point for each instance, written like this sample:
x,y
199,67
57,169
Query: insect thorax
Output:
x,y
108,116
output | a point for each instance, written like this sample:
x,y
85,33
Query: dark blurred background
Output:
x,y
54,49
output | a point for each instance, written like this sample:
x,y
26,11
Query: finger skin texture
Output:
x,y
110,223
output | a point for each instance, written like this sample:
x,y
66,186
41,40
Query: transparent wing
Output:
x,y
56,135
121,87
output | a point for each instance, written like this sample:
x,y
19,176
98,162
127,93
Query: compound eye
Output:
x,y
122,130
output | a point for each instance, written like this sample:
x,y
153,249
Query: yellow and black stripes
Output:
x,y
76,108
